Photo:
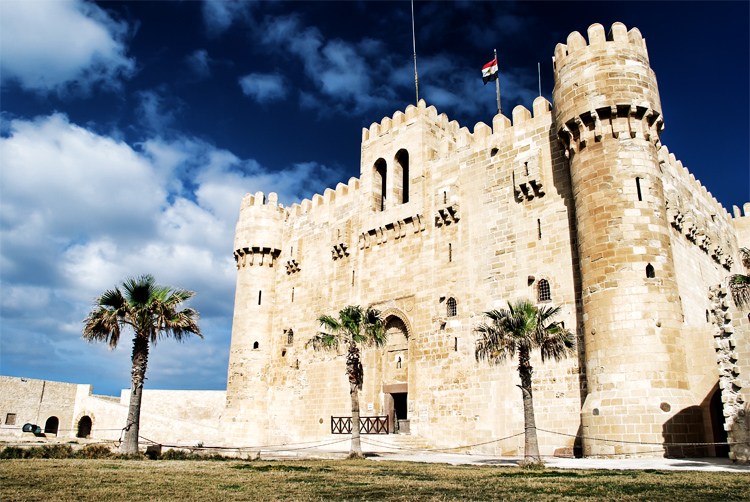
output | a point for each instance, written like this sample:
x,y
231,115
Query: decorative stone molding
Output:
x,y
397,230
447,215
255,256
733,402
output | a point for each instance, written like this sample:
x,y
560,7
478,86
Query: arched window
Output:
x,y
401,176
84,427
50,427
543,291
451,307
379,183
650,271
289,337
256,346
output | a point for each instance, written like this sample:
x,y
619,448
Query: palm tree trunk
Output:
x,y
354,371
531,444
356,448
132,428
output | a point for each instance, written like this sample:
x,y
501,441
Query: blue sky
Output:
x,y
129,132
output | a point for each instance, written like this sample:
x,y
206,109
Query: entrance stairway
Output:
x,y
394,442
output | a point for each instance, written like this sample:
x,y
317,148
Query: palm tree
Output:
x,y
519,329
355,326
151,312
739,284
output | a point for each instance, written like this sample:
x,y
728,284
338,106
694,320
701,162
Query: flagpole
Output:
x,y
414,44
497,86
539,72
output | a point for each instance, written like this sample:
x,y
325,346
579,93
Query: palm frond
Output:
x,y
323,341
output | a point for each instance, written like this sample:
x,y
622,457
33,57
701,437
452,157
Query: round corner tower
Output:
x,y
257,246
608,119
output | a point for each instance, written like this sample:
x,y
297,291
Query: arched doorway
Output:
x,y
50,427
84,427
396,374
717,424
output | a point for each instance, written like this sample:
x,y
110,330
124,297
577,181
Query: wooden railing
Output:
x,y
367,425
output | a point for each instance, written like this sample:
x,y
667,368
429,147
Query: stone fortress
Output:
x,y
576,204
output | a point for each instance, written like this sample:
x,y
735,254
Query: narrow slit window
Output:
x,y
638,188
708,316
455,344
539,228
451,307
260,293
544,294
352,277
445,197
450,252
292,295
650,274
289,337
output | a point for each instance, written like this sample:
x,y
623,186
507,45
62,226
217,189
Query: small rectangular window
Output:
x,y
292,295
638,187
450,252
539,228
10,419
455,344
259,295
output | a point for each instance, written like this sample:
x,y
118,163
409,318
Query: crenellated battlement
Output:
x,y
461,136
618,37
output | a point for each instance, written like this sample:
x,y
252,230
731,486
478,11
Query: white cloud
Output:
x,y
56,46
263,87
80,212
219,15
199,62
343,72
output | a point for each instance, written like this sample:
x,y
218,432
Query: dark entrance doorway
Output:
x,y
400,418
50,427
717,425
84,427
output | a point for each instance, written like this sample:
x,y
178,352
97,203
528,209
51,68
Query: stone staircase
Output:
x,y
394,442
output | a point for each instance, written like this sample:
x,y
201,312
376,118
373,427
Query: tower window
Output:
x,y
289,337
402,164
455,344
450,252
544,294
638,187
650,274
708,316
451,307
256,346
260,293
539,229
379,183
352,277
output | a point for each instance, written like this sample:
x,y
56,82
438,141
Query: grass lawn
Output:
x,y
135,480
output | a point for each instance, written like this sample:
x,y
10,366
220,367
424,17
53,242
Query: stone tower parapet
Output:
x,y
608,117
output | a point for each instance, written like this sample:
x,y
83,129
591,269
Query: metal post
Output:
x,y
497,86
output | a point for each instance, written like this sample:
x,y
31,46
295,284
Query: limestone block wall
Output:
x,y
168,417
26,400
486,220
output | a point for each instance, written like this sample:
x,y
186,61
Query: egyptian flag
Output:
x,y
489,71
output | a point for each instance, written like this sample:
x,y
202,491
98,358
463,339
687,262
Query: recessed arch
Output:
x,y
401,176
391,312
51,425
84,427
379,184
